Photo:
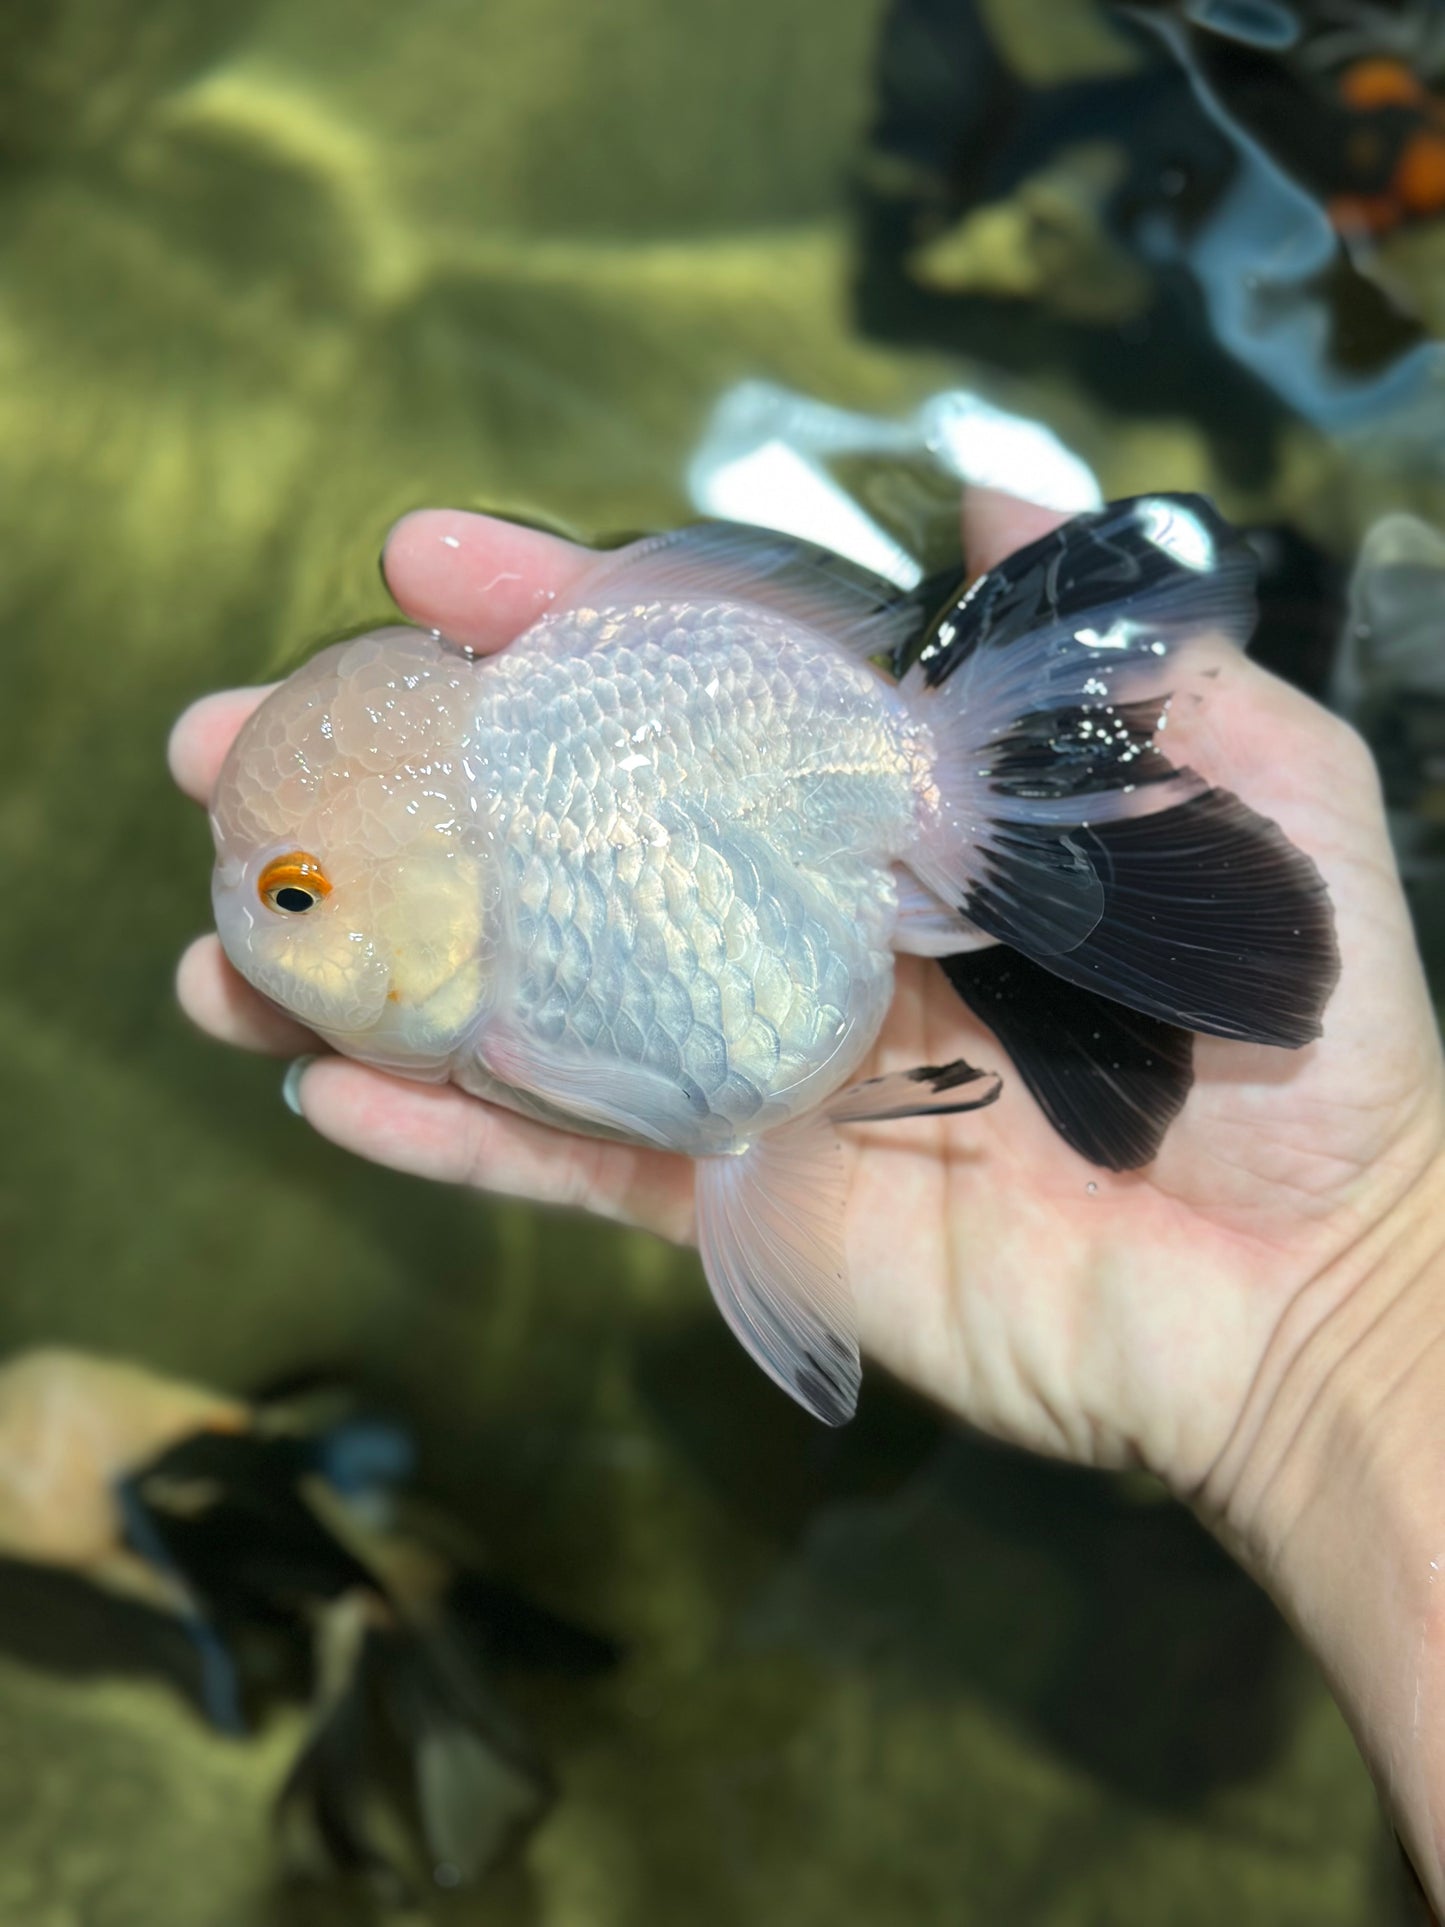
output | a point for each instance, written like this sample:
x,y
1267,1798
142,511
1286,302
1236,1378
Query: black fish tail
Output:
x,y
1064,831
1111,1081
404,1720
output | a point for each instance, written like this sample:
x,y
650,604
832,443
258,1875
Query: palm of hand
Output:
x,y
1105,1318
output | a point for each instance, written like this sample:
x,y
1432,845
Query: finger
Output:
x,y
995,524
204,733
220,1002
479,580
436,1131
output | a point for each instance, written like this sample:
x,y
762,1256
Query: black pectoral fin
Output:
x,y
928,1090
1212,920
1111,1081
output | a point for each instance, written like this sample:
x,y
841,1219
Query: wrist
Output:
x,y
1331,1492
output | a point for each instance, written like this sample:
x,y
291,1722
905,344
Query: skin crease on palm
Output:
x,y
1112,1320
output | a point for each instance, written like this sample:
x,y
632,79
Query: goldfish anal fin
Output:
x,y
770,1231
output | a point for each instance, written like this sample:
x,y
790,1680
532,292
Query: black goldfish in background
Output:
x,y
277,1541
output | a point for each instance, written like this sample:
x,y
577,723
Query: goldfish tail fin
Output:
x,y
1064,831
410,1763
1110,1080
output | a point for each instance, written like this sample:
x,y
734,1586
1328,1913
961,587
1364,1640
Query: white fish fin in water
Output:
x,y
733,562
1065,831
926,927
770,1231
631,1099
928,1090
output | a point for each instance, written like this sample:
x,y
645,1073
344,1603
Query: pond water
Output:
x,y
274,274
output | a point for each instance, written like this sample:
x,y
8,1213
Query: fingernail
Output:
x,y
291,1083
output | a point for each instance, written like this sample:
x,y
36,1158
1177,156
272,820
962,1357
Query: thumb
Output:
x,y
995,524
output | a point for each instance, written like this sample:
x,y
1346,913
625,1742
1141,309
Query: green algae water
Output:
x,y
270,276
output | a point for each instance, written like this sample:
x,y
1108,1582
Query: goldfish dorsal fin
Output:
x,y
733,562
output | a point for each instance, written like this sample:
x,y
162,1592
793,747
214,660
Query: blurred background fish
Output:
x,y
1196,201
279,1536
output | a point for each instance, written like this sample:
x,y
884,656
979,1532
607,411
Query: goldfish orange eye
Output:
x,y
293,883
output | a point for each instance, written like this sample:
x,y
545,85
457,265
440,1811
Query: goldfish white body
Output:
x,y
645,872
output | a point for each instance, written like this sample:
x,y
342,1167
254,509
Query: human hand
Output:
x,y
1109,1319
1257,1316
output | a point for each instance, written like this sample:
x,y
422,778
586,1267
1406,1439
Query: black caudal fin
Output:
x,y
1111,1081
410,1761
1064,829
1114,580
1046,683
1213,920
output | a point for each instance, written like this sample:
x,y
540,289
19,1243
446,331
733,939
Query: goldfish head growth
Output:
x,y
354,879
